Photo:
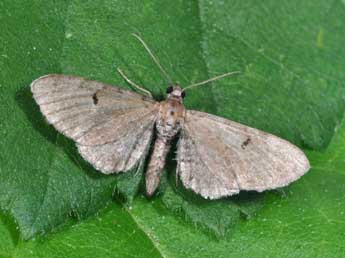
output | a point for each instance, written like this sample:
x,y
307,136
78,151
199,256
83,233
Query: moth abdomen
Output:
x,y
156,165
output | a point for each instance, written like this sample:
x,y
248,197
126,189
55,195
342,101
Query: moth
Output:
x,y
113,129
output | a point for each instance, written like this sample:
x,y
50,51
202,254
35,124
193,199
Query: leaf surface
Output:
x,y
291,58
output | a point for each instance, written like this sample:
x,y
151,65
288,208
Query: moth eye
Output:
x,y
183,94
169,89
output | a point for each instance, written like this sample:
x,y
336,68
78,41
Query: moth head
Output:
x,y
175,92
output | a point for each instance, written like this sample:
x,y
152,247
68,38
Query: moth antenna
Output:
x,y
155,60
132,83
210,80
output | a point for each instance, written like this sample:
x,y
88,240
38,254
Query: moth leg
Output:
x,y
176,178
132,83
140,167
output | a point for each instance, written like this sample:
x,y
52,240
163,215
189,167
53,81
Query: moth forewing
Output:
x,y
218,157
112,127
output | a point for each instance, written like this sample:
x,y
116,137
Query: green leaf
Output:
x,y
216,217
8,236
291,58
290,55
307,222
111,233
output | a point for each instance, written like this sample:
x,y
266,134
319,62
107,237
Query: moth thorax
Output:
x,y
169,120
